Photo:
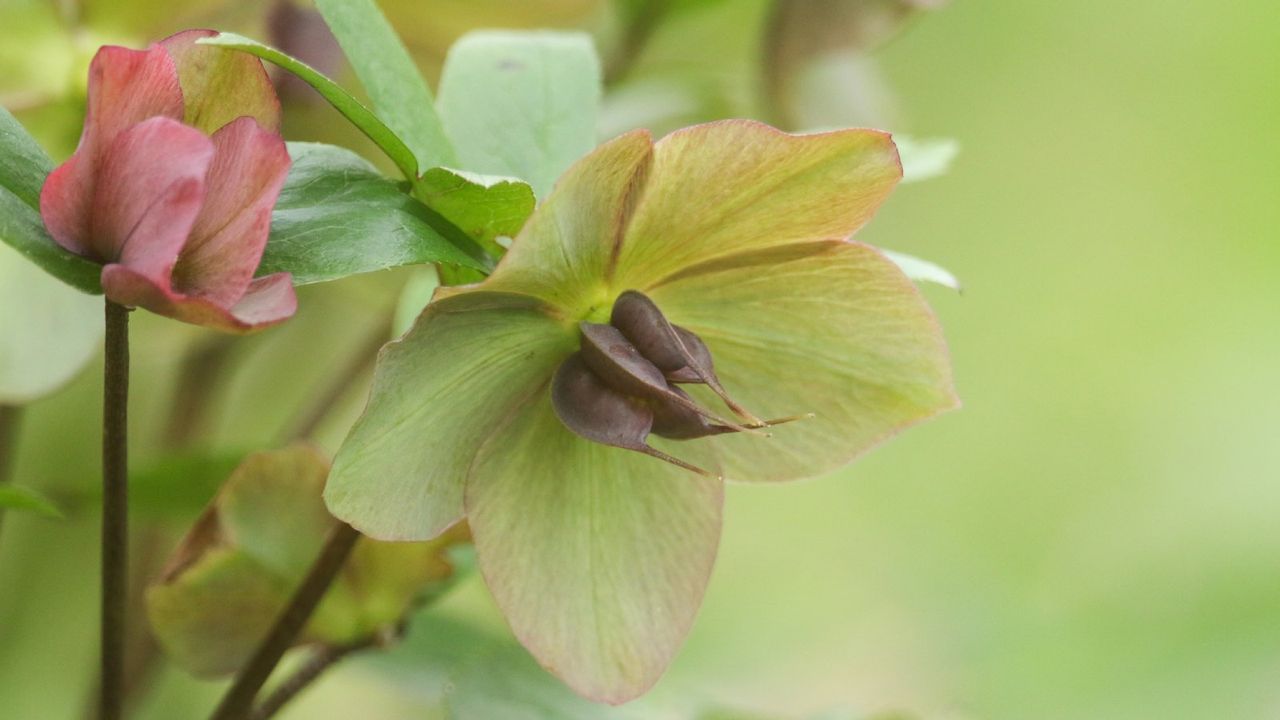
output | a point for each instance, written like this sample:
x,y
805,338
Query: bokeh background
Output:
x,y
1094,536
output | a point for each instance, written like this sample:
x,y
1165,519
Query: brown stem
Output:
x,y
238,701
115,511
315,666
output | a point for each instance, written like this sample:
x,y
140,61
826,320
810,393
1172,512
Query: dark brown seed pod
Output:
x,y
592,410
613,359
678,353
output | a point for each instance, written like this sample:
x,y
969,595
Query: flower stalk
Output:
x,y
115,525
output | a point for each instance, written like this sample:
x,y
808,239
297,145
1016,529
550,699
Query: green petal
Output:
x,y
463,368
832,328
268,506
237,567
563,253
737,186
598,556
211,617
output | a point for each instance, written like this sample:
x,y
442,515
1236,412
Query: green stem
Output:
x,y
238,701
115,527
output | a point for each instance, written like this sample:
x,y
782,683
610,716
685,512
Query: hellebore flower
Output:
x,y
548,404
172,185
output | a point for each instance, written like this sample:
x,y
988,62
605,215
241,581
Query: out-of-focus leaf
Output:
x,y
361,116
48,331
337,216
923,270
925,159
23,168
175,486
414,297
240,562
13,497
398,91
476,675
549,81
179,485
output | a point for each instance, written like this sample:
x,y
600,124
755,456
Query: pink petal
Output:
x,y
220,85
150,187
125,88
225,247
270,300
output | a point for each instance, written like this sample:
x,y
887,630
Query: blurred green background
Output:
x,y
1093,536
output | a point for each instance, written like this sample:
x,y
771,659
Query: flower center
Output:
x,y
622,384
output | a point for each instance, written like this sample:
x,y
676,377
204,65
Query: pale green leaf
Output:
x,y
521,103
925,159
923,270
398,92
48,331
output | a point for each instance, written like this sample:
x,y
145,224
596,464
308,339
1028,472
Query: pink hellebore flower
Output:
x,y
172,185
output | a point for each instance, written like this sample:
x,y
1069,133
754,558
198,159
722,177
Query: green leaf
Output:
x,y
337,216
521,103
483,206
358,114
13,497
23,168
396,88
48,331
925,159
923,270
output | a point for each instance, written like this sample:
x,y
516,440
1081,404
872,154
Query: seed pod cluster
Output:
x,y
621,385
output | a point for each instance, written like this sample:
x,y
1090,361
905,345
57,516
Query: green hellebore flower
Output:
x,y
737,233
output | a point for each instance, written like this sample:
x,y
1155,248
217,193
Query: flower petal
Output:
x,y
831,328
564,250
269,300
220,85
125,88
151,184
467,363
598,556
226,243
737,185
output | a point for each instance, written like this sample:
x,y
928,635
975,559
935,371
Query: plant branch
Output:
x,y
315,666
115,526
238,701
